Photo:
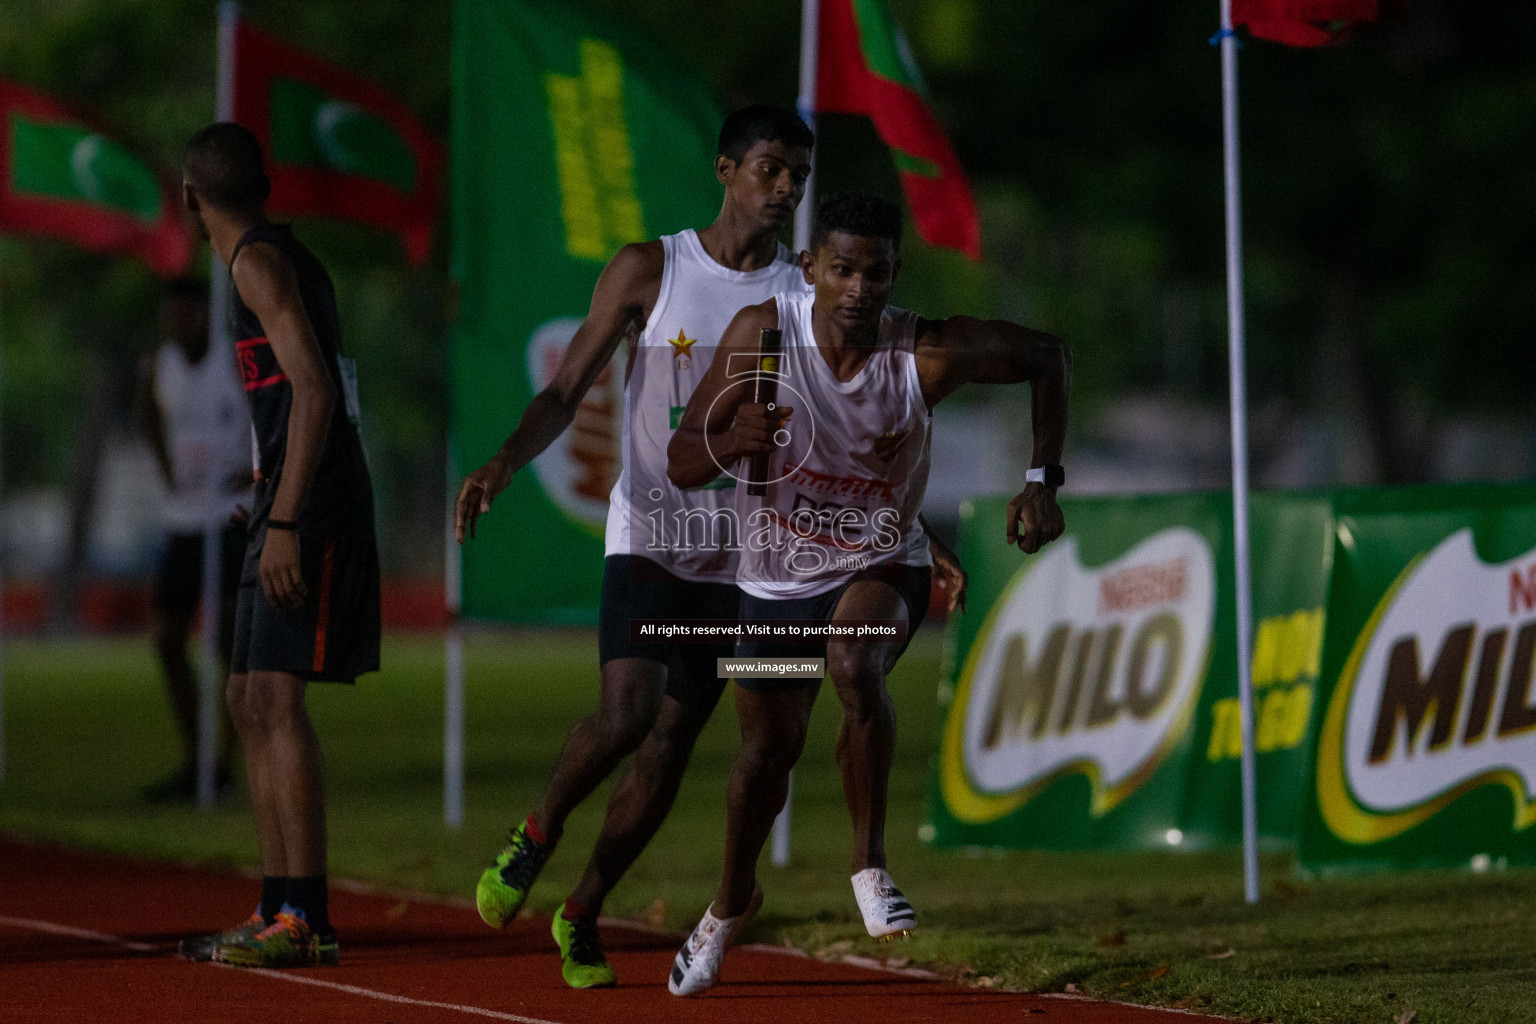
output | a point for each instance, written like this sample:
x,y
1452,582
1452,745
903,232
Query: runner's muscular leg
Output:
x,y
641,801
264,805
628,704
866,739
773,729
292,769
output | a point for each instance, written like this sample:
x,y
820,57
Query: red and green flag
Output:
x,y
864,67
337,145
1310,22
63,178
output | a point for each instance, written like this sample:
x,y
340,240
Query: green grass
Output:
x,y
86,727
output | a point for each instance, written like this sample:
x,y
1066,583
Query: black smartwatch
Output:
x,y
1052,476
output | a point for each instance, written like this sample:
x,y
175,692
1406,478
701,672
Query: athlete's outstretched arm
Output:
x,y
269,287
620,304
964,350
721,406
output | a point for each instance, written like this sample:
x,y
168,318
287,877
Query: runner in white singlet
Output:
x,y
849,481
671,299
195,417
649,516
847,441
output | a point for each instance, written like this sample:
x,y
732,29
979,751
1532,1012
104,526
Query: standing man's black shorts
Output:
x,y
913,582
334,635
635,587
178,579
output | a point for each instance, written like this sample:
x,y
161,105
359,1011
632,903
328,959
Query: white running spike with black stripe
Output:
x,y
697,965
886,911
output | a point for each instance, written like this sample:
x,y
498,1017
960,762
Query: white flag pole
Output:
x,y
211,674
1238,386
453,663
2,613
810,24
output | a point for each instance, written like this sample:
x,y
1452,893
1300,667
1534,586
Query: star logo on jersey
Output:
x,y
680,346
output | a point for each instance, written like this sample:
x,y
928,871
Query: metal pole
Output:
x,y
224,96
810,14
453,659
810,23
1238,386
210,675
2,601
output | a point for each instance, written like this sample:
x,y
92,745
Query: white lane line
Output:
x,y
50,928
867,963
1081,998
77,933
385,997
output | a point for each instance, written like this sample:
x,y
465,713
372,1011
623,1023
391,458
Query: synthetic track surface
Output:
x,y
89,938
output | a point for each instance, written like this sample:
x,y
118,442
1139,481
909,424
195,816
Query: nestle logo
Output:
x,y
1143,585
1522,592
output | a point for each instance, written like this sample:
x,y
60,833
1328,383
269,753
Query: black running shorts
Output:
x,y
913,582
178,585
334,635
635,587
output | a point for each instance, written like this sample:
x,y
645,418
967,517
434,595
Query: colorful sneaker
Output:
x,y
287,943
697,965
582,963
202,947
503,886
887,914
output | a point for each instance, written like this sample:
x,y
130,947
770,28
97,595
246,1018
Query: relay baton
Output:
x,y
765,392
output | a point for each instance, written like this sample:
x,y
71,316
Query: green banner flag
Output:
x,y
572,136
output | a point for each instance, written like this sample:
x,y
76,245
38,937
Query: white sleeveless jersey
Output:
x,y
848,485
207,432
647,514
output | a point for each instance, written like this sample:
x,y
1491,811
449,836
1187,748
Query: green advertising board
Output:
x,y
1094,703
1426,727
1291,550
571,137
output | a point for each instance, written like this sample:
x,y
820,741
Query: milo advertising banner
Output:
x,y
1094,702
572,136
1426,747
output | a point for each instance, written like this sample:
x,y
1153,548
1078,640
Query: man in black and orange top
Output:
x,y
308,608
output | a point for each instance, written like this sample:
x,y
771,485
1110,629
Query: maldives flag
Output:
x,y
864,67
62,178
1310,22
337,145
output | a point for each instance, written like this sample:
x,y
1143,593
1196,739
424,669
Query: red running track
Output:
x,y
88,938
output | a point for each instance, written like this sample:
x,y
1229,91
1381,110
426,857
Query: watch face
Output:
x,y
1055,476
